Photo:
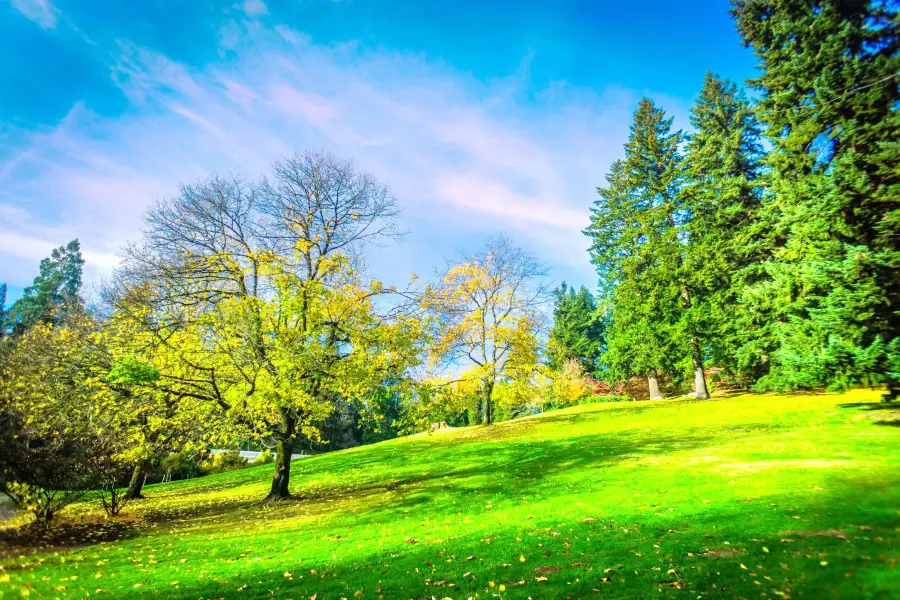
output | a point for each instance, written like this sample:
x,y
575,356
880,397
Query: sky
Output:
x,y
482,117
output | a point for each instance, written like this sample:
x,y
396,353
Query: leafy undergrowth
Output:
x,y
746,496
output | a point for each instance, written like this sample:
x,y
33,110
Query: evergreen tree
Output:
x,y
829,104
636,248
54,292
578,329
725,242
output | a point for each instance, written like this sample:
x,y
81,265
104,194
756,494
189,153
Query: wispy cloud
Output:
x,y
466,158
41,12
255,7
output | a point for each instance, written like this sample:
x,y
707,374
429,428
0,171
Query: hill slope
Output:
x,y
749,496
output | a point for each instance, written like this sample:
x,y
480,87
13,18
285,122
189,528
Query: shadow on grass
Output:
x,y
485,465
63,534
382,481
869,406
703,554
391,485
893,407
198,510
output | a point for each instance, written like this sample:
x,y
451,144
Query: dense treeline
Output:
x,y
765,241
762,244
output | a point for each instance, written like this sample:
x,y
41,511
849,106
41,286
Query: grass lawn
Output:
x,y
747,496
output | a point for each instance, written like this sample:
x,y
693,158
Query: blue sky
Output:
x,y
483,117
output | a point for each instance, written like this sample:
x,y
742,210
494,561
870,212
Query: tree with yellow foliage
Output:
x,y
486,311
264,280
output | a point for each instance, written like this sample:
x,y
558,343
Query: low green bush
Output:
x,y
598,399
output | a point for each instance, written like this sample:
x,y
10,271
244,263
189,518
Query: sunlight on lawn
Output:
x,y
738,496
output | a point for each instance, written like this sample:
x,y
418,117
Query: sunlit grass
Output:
x,y
747,496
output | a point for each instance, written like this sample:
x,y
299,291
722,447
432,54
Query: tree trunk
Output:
x,y
136,485
488,403
893,390
653,385
284,451
699,376
696,354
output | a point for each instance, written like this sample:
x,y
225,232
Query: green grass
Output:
x,y
747,496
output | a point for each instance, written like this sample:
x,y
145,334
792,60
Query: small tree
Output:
x,y
54,292
110,470
569,386
157,400
486,311
49,388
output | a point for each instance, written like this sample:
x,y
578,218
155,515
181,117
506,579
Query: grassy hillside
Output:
x,y
747,496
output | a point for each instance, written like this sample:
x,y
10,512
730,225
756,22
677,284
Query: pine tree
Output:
x,y
636,248
725,242
54,292
578,329
829,103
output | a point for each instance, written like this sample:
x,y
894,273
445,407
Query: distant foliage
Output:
x,y
53,294
579,330
224,462
265,458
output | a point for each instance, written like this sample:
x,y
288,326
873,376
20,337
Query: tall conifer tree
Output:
x,y
636,231
725,243
829,103
54,292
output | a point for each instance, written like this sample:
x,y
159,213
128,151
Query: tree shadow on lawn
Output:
x,y
519,468
892,407
637,407
530,463
390,485
499,452
61,534
869,406
705,553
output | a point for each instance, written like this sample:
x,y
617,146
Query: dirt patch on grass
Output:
x,y
722,553
822,532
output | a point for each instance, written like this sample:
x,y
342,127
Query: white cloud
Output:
x,y
466,158
255,8
41,12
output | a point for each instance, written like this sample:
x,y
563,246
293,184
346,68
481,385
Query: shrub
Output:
x,y
226,461
599,399
181,465
265,458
